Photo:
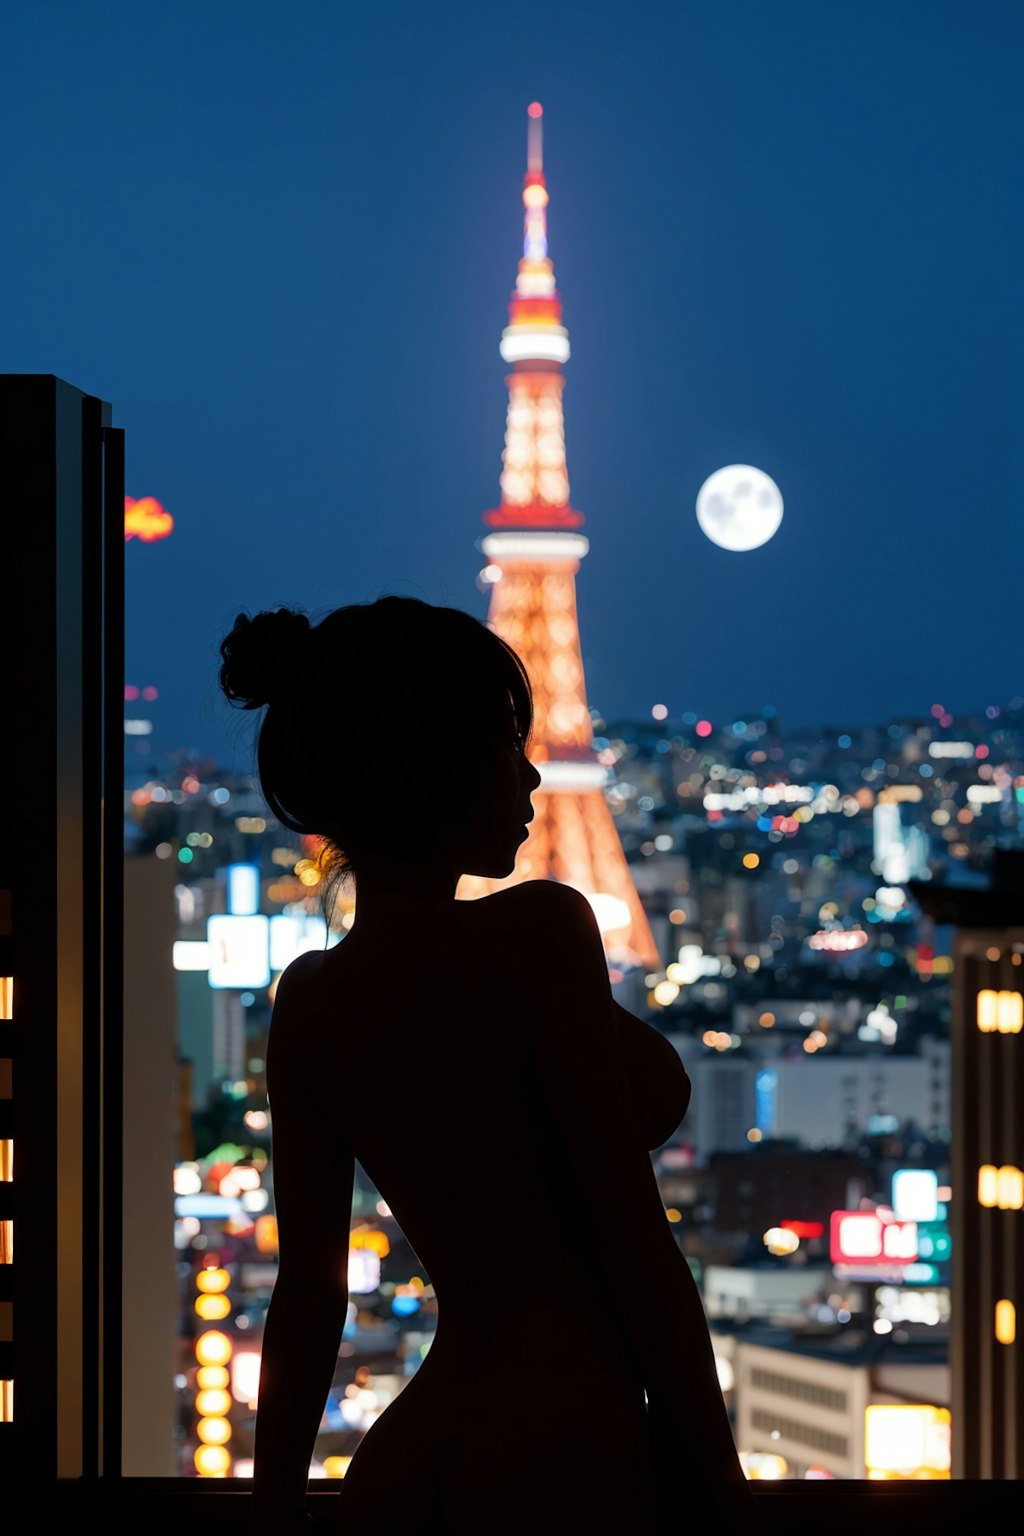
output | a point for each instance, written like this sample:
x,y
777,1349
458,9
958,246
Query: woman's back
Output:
x,y
421,1057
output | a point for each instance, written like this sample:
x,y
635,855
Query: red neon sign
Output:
x,y
868,1237
804,1228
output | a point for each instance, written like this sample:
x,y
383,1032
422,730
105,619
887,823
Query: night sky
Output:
x,y
280,241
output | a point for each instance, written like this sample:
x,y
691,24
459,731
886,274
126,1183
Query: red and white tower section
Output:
x,y
533,551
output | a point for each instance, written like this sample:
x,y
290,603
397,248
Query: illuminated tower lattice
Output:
x,y
533,552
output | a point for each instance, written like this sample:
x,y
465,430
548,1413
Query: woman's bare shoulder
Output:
x,y
293,997
294,980
547,931
533,902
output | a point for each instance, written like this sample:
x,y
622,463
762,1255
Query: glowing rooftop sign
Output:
x,y
870,1238
915,1194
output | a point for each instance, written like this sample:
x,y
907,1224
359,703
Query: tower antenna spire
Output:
x,y
535,137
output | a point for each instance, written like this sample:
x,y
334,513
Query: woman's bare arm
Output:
x,y
313,1177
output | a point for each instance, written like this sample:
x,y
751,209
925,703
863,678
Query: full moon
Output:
x,y
739,507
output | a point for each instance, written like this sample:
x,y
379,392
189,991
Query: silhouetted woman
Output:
x,y
471,1056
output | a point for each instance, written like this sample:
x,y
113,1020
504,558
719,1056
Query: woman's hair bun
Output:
x,y
258,655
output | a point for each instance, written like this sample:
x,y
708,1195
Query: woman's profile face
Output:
x,y
490,825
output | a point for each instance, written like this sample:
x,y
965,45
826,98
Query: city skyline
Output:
x,y
777,245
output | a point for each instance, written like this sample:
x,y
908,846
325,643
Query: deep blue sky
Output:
x,y
280,239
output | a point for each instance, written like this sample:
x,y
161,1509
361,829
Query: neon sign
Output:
x,y
866,1239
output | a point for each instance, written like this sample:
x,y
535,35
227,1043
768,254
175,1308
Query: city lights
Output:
x,y
870,1238
838,941
1001,1187
213,1349
781,1240
191,955
145,519
906,1441
336,1466
245,1376
764,1466
612,912
243,889
239,951
1000,1011
1005,1321
915,1194
212,1461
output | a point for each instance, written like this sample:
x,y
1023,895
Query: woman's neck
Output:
x,y
391,891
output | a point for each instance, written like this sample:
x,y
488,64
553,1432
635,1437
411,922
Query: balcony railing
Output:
x,y
840,1508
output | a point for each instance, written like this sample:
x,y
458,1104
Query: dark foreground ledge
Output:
x,y
141,1506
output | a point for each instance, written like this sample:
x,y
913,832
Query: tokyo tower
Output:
x,y
533,550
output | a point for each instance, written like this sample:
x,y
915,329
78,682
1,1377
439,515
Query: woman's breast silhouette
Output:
x,y
470,1055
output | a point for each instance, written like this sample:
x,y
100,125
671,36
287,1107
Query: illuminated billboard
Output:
x,y
239,951
191,955
915,1194
869,1240
293,933
243,881
906,1440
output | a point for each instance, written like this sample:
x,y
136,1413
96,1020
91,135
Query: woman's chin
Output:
x,y
494,866
495,859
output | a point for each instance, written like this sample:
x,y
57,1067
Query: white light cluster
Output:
x,y
951,749
363,1271
191,955
915,1194
548,346
535,282
983,794
838,940
568,777
187,1179
896,1304
869,1236
879,1025
239,950
779,1240
611,911
907,1439
755,794
245,1377
535,546
693,964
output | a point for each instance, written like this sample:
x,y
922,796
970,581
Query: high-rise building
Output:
x,y
533,551
987,1029
61,899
